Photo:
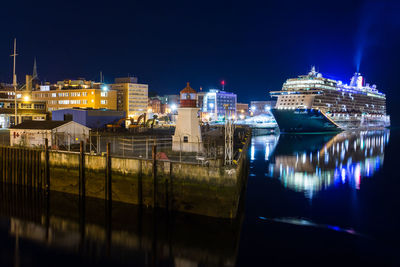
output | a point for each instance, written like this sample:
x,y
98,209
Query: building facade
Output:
x,y
242,110
200,99
156,106
26,111
92,118
58,133
79,98
214,104
261,107
132,97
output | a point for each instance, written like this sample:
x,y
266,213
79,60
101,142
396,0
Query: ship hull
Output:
x,y
313,120
303,120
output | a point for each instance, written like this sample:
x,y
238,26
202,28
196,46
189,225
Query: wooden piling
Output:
x,y
3,164
29,172
38,169
15,164
9,165
154,175
47,165
82,181
35,169
140,184
107,181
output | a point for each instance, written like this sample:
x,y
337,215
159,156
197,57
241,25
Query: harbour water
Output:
x,y
318,199
315,199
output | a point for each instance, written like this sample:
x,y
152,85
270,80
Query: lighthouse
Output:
x,y
187,135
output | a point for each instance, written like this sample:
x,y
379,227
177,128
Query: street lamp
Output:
x,y
173,107
27,98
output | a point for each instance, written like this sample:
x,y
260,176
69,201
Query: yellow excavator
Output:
x,y
137,123
151,122
133,123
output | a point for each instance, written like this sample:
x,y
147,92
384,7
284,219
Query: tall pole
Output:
x,y
14,55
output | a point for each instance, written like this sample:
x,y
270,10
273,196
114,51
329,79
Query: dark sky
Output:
x,y
253,45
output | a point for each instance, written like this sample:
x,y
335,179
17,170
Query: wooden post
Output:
x,y
3,163
29,173
82,181
9,166
47,164
108,182
14,165
37,168
140,184
147,148
26,167
154,174
33,168
108,198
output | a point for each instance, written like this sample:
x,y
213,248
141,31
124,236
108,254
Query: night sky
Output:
x,y
253,46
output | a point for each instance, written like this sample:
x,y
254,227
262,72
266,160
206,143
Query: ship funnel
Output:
x,y
357,80
313,72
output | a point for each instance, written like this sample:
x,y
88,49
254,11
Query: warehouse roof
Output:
x,y
39,125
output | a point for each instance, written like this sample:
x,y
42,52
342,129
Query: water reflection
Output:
x,y
310,163
124,234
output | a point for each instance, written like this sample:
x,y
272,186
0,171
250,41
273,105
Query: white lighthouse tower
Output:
x,y
187,135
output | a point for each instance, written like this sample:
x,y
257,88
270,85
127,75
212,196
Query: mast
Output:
x,y
14,55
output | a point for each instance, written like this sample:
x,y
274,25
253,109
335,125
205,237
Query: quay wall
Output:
x,y
210,190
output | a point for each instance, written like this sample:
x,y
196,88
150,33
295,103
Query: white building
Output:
x,y
59,133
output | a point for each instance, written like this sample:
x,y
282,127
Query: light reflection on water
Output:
x,y
309,163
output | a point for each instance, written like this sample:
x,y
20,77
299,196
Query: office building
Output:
x,y
132,97
214,104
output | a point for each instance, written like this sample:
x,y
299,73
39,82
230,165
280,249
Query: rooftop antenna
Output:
x,y
223,85
14,55
101,77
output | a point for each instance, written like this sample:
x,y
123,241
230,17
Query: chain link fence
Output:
x,y
132,146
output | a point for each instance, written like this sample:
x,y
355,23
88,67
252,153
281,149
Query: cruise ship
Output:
x,y
313,103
